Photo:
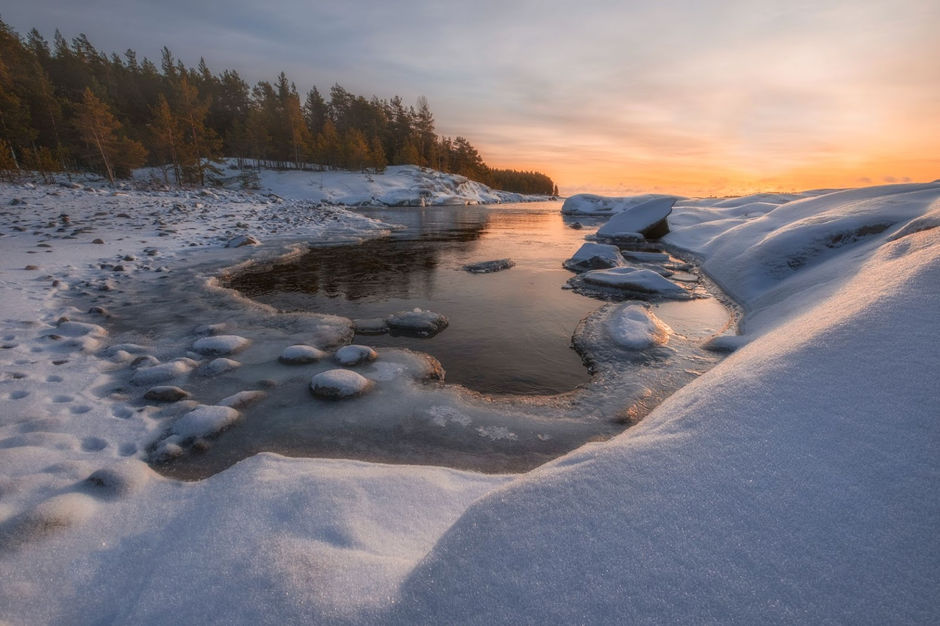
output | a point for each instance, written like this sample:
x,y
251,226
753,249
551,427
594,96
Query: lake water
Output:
x,y
509,332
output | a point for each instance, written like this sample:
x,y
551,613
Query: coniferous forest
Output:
x,y
67,106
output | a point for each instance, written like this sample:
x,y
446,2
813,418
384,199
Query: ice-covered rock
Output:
x,y
592,256
242,240
487,267
204,420
166,393
590,204
417,322
645,257
635,327
219,366
162,372
725,343
301,354
636,280
220,345
648,219
338,384
371,326
242,399
355,354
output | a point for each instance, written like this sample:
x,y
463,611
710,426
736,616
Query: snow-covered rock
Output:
x,y
635,280
220,345
591,204
592,256
487,267
163,372
204,420
220,365
635,327
242,240
648,219
301,354
339,384
242,399
355,355
371,326
166,393
417,322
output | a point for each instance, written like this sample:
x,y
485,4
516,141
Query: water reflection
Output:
x,y
509,331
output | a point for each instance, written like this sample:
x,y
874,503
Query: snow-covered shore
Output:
x,y
796,481
397,185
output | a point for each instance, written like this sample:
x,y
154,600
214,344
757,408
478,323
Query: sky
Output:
x,y
694,97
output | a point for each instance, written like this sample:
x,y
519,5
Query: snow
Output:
x,y
796,481
397,185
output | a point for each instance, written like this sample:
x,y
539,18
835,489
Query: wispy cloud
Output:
x,y
597,93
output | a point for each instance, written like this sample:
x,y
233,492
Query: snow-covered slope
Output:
x,y
794,482
797,481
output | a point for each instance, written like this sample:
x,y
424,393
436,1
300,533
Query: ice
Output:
x,y
339,384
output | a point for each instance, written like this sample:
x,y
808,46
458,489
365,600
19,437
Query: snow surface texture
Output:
x,y
794,482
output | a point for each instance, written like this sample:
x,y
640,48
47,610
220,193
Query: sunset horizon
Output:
x,y
729,99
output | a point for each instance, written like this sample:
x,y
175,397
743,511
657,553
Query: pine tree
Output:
x,y
99,130
377,159
166,137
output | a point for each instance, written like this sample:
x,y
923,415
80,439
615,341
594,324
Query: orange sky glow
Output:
x,y
678,96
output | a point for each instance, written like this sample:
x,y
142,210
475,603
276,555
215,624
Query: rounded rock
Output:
x,y
355,355
339,384
301,355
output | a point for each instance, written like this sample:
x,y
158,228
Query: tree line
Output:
x,y
69,107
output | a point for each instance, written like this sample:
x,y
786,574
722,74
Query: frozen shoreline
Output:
x,y
781,485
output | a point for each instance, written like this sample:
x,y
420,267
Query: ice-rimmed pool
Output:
x,y
519,394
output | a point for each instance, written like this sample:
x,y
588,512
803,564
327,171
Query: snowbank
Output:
x,y
397,185
590,204
794,482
